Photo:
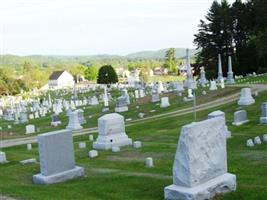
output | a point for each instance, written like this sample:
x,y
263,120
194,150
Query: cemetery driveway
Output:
x,y
201,107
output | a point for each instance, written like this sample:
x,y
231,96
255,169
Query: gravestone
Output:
x,y
155,97
230,75
142,94
82,145
245,97
81,116
136,94
29,147
257,140
200,165
93,154
115,149
160,87
23,117
263,118
124,93
2,157
137,144
190,93
111,130
213,85
240,117
94,101
250,143
189,83
30,129
74,123
164,102
203,81
54,120
149,162
121,104
220,73
219,113
57,162
91,138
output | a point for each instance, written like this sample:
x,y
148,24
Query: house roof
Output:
x,y
55,75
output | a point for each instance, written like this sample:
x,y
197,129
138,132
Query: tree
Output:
x,y
90,73
144,74
215,35
259,38
170,60
77,70
107,75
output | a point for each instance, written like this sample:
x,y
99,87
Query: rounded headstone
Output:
x,y
91,138
265,138
115,149
257,140
137,144
250,143
93,154
149,162
82,145
29,147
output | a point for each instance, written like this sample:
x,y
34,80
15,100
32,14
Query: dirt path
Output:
x,y
201,107
5,198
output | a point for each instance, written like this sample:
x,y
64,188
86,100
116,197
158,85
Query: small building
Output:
x,y
60,79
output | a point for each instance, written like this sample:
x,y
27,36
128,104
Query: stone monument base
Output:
x,y
263,120
55,124
219,185
246,101
230,81
242,122
74,127
121,109
109,141
59,177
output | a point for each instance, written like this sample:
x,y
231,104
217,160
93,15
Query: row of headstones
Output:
x,y
256,141
240,117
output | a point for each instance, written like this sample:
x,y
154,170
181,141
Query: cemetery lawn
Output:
x,y
92,113
123,175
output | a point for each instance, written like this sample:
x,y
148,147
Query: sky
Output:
x,y
87,27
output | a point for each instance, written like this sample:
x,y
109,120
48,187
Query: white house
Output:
x,y
60,79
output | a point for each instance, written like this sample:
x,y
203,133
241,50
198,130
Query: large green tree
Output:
x,y
259,39
215,36
170,60
107,75
239,30
90,73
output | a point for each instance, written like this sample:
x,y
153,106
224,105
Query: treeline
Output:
x,y
239,30
25,73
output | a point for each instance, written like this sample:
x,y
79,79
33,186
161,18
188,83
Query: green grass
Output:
x,y
253,79
123,175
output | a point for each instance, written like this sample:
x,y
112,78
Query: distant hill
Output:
x,y
17,62
160,54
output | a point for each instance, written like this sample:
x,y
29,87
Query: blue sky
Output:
x,y
85,27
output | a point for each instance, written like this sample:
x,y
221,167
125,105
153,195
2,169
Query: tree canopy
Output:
x,y
238,30
170,60
107,75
